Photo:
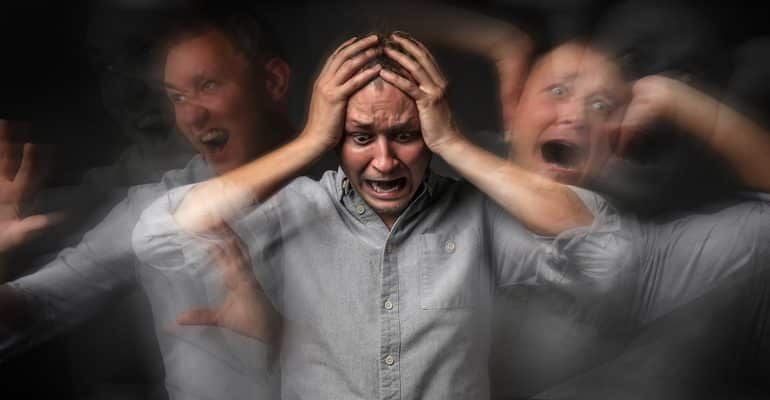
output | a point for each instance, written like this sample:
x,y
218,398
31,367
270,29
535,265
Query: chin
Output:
x,y
388,209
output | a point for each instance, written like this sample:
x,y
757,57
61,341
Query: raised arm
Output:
x,y
743,143
214,201
544,206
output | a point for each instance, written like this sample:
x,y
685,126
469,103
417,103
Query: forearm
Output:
x,y
542,205
457,28
219,199
744,144
504,45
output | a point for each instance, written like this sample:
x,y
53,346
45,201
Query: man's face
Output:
x,y
382,151
568,114
220,102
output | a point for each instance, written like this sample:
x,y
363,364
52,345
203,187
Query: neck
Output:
x,y
389,220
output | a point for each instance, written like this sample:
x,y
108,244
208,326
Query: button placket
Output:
x,y
390,379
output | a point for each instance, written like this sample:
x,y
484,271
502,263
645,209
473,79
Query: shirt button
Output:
x,y
449,246
388,305
360,209
389,360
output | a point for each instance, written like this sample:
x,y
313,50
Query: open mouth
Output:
x,y
214,139
563,154
386,186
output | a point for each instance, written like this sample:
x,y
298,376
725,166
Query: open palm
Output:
x,y
19,181
246,309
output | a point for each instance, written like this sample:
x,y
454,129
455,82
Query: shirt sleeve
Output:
x,y
160,243
80,279
585,260
177,269
687,255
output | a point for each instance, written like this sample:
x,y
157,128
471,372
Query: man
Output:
x,y
383,271
575,111
228,85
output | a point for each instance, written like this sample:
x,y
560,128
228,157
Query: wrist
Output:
x,y
314,143
448,145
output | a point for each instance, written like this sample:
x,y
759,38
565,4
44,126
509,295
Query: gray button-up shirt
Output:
x,y
199,362
378,313
83,278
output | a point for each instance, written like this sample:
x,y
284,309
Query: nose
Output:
x,y
384,160
571,112
191,115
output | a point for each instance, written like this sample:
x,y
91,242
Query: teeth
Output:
x,y
386,186
214,137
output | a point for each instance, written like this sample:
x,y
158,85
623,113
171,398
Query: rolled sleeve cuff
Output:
x,y
158,240
589,256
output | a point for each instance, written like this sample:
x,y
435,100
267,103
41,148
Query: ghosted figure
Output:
x,y
575,118
232,112
383,271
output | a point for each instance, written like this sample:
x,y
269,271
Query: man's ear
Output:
x,y
277,74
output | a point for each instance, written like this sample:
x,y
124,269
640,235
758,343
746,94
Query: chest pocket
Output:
x,y
450,270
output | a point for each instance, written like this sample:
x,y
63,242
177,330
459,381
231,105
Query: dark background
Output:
x,y
48,75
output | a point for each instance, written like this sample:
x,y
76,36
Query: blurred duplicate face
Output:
x,y
219,99
569,114
382,151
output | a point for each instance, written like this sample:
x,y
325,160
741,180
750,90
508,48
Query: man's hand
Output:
x,y
212,203
246,309
20,179
740,141
429,92
653,100
340,77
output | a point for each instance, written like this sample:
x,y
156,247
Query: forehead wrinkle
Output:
x,y
210,48
580,65
381,113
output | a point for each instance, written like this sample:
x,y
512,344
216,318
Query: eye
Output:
x,y
176,98
558,90
360,138
602,106
406,136
208,86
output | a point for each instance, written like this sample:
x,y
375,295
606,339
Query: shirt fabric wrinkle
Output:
x,y
335,270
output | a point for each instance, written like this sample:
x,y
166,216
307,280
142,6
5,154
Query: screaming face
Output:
x,y
382,152
569,110
220,101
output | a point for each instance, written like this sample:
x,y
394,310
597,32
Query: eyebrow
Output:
x,y
604,92
395,128
198,77
569,77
